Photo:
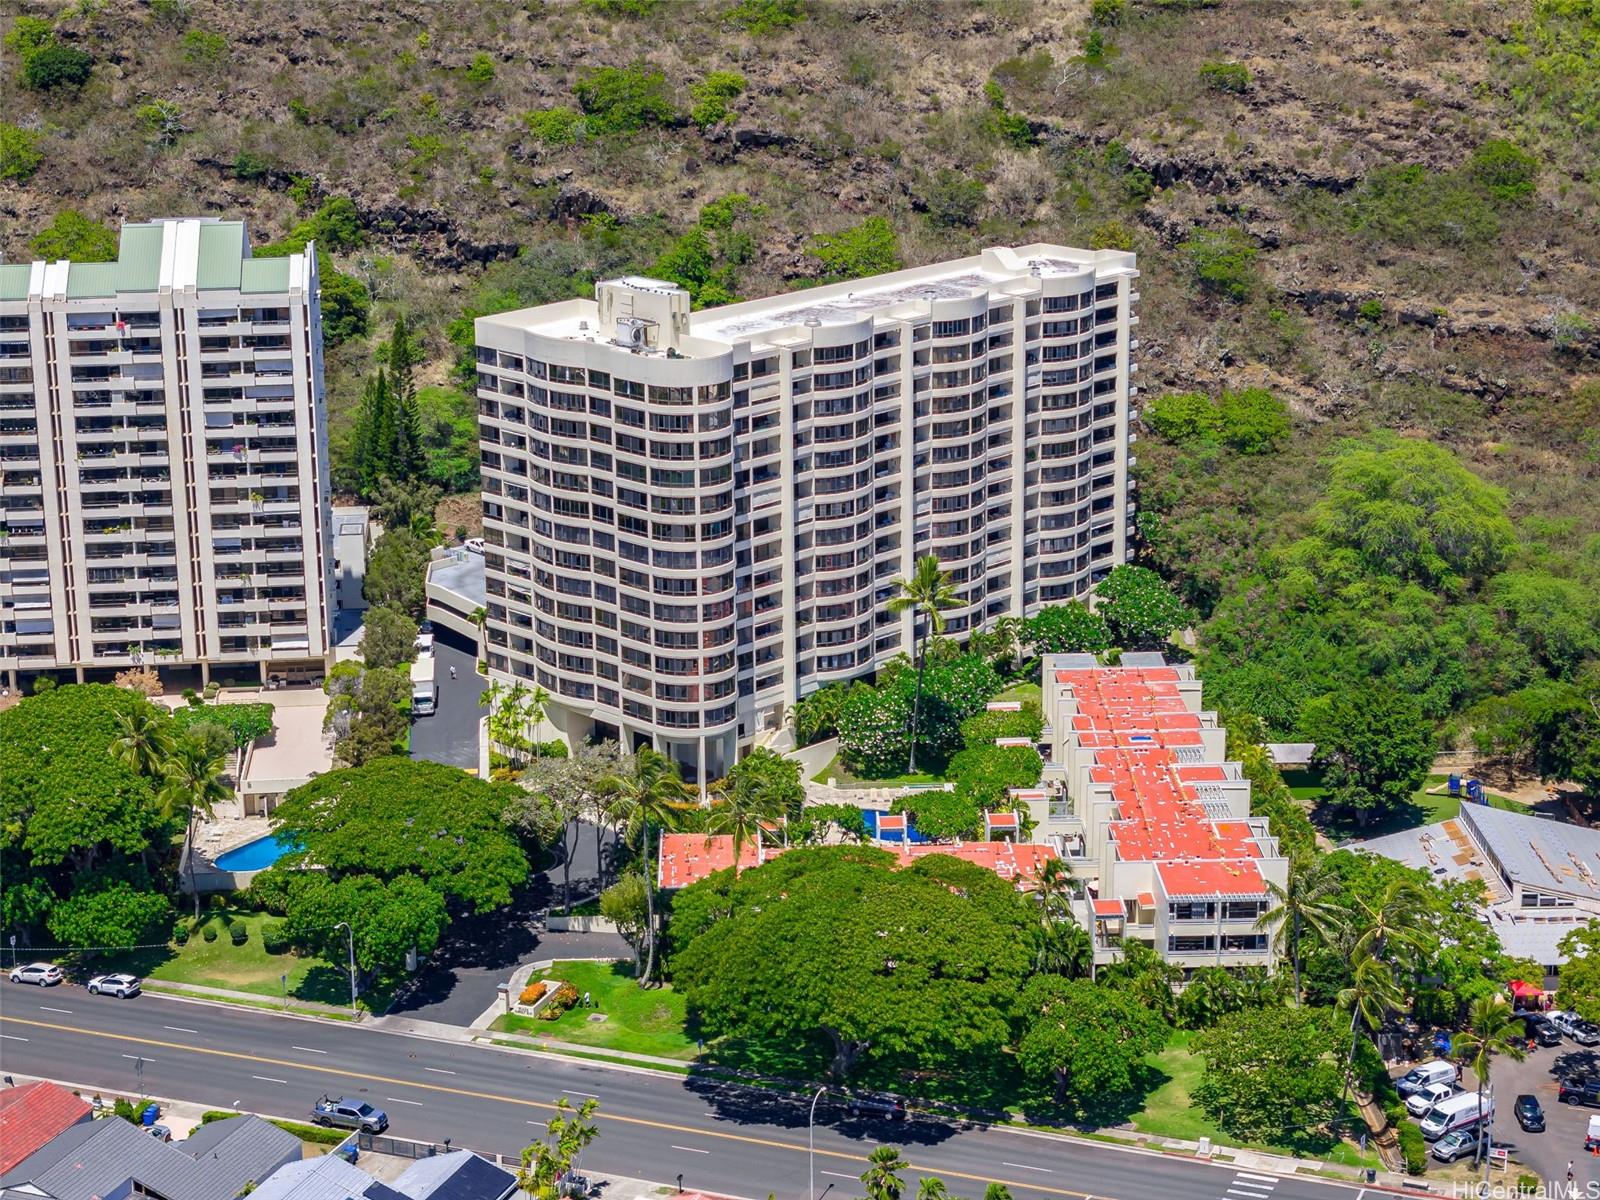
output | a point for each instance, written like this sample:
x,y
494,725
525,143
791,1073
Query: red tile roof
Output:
x,y
31,1115
689,857
1107,907
1133,719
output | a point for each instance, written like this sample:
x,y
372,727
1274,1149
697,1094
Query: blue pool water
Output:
x,y
254,856
872,815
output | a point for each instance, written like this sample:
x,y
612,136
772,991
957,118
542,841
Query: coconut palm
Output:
x,y
1306,906
647,792
1062,946
1371,995
193,786
927,593
931,1187
1490,1029
742,812
882,1176
1392,929
534,713
145,742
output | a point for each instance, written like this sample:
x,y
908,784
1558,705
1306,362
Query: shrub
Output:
x,y
1413,1148
73,235
1226,76
870,248
558,126
250,167
161,120
764,16
1370,311
181,933
208,932
213,690
1182,416
1106,12
531,993
20,155
202,47
29,35
274,940
954,199
623,99
1223,262
1508,171
1005,124
551,749
269,892
711,96
566,996
482,68
1111,235
1253,420
238,932
623,8
56,66
1412,206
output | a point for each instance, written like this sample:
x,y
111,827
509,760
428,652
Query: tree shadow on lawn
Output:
x,y
80,967
1339,824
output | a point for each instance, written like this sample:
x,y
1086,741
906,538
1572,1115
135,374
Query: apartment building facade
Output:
x,y
1140,802
694,519
164,451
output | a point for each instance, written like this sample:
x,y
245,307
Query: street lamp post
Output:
x,y
350,934
811,1145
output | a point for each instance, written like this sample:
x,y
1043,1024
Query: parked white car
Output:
x,y
1420,1101
43,974
123,987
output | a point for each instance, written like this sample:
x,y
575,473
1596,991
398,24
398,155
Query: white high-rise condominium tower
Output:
x,y
165,459
695,519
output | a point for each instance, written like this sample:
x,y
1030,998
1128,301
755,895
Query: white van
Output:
x,y
1457,1112
1437,1071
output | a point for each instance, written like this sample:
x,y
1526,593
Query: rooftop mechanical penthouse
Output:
x,y
694,519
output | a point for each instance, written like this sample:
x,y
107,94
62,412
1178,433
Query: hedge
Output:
x,y
306,1133
1413,1148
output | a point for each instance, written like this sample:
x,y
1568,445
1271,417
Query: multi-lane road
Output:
x,y
721,1138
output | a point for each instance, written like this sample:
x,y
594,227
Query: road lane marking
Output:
x,y
397,1100
438,1070
1251,1195
181,1029
1026,1167
268,1079
47,1008
576,1092
11,1037
138,1058
689,1149
837,1175
1269,1180
496,1097
308,1049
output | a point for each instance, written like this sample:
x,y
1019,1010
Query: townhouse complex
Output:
x,y
1140,801
165,461
694,519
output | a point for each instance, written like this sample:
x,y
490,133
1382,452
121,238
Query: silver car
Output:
x,y
123,987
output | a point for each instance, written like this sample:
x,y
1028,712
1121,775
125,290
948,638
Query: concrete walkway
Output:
x,y
199,991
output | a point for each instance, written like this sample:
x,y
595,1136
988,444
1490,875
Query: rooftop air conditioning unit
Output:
x,y
631,332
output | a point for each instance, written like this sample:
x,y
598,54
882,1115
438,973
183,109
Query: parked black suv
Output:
x,y
882,1108
1528,1113
1579,1091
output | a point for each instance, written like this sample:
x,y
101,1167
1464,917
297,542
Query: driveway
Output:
x,y
477,954
450,735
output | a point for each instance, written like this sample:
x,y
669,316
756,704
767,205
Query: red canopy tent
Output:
x,y
1526,991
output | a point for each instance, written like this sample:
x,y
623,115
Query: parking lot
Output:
x,y
1543,1154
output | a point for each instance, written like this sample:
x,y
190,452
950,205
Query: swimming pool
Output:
x,y
255,856
911,835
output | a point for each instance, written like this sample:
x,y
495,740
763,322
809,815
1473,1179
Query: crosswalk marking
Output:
x,y
1245,1186
1269,1180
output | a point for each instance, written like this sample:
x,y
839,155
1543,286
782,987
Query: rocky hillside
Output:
x,y
1386,212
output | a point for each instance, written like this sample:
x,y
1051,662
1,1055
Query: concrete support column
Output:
x,y
205,672
79,671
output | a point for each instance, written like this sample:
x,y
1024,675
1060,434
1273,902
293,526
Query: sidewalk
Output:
x,y
199,991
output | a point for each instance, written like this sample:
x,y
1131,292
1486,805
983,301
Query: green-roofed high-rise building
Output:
x,y
164,450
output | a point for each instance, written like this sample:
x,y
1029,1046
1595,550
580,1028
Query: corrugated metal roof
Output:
x,y
264,275
325,1178
14,280
221,255
458,1175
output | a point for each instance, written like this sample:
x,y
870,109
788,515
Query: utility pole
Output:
x,y
350,935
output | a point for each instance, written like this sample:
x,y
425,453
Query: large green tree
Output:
x,y
387,917
1578,987
921,965
1069,628
1139,608
1374,748
1087,1041
81,831
396,817
1271,1074
389,637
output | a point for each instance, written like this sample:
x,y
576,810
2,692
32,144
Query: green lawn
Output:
x,y
639,1020
1023,691
1424,809
837,770
245,968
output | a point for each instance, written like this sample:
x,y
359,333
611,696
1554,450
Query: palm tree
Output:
x,y
479,617
538,704
742,812
882,1176
1062,946
1393,929
1307,904
646,792
931,1187
1371,994
927,592
194,788
145,743
1008,640
1490,1030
